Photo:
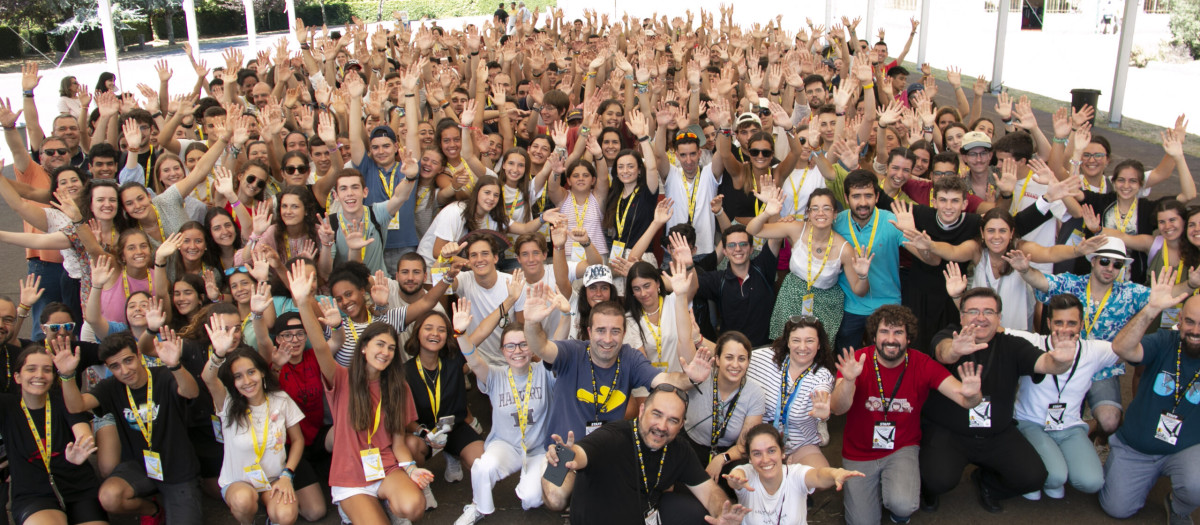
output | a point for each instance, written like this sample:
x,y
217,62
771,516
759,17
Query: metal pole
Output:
x,y
870,23
189,19
924,27
251,31
1118,93
828,14
290,9
998,57
104,9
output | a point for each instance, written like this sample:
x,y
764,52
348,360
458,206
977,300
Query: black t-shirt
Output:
x,y
453,386
25,461
638,215
609,490
169,438
744,306
194,359
1004,361
146,160
1147,222
8,358
89,355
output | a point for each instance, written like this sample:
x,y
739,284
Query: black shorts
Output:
x,y
209,453
304,475
81,508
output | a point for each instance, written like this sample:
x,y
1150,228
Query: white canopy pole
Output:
x,y
289,7
828,14
924,28
104,10
868,29
251,32
1118,93
1001,33
193,35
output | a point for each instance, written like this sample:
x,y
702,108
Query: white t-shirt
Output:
x,y
550,325
448,225
239,444
1033,400
680,191
796,189
1025,196
788,505
395,300
667,332
484,301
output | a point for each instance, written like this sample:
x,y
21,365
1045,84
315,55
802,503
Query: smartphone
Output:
x,y
558,474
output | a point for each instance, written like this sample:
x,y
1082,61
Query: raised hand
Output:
x,y
700,368
220,336
848,366
462,314
1018,260
862,263
730,514
956,282
1161,288
262,217
78,451
379,289
66,360
516,285
1091,219
261,297
169,246
301,282
156,315
737,480
537,303
964,342
31,285
103,271
355,239
820,404
169,347
971,375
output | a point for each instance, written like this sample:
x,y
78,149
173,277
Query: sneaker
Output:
x,y
454,470
1058,493
344,517
1033,496
470,515
476,426
823,431
158,518
1172,517
897,519
430,501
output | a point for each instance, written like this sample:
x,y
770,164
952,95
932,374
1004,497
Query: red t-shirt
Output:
x,y
302,381
923,375
346,469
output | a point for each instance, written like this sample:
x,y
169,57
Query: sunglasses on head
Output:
x,y
236,269
292,170
668,387
686,134
56,152
761,153
1116,264
797,319
59,327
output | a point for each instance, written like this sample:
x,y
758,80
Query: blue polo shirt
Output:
x,y
1156,393
406,235
885,267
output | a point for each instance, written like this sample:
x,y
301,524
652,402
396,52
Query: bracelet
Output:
x,y
644,139
256,315
406,464
28,93
216,361
1009,196
584,130
24,306
288,473
869,86
176,367
26,316
1057,140
67,378
466,354
236,203
863,277
304,46
447,279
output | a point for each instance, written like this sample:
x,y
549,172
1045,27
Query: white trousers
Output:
x,y
500,460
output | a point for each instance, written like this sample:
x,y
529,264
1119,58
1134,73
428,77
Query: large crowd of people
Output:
x,y
309,260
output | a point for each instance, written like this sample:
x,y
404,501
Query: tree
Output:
x,y
1185,25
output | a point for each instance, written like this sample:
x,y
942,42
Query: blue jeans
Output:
x,y
51,274
850,334
1068,455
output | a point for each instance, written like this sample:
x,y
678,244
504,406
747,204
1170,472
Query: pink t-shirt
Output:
x,y
346,469
112,300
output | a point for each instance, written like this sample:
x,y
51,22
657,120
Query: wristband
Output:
x,y
24,306
644,139
175,368
256,315
1057,140
67,378
469,353
288,473
1009,196
28,93
869,86
236,203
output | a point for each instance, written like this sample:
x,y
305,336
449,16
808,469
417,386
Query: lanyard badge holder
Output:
x,y
883,433
254,474
372,460
1056,411
980,416
151,459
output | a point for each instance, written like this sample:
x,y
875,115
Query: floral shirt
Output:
x,y
1125,300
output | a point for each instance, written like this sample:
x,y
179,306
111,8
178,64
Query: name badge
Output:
x,y
758,244
884,435
806,304
1075,238
394,224
255,476
436,274
1169,427
617,251
652,517
981,415
661,365
217,432
153,461
1169,318
372,463
591,427
578,252
799,217
1054,416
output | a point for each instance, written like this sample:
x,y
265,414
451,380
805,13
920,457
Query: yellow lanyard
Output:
x,y
796,195
691,191
1088,326
808,273
580,213
158,218
512,206
422,196
435,399
375,425
1123,221
43,442
622,217
389,190
854,236
656,329
147,426
1167,263
522,402
125,283
671,158
287,247
353,331
149,162
362,254
1016,202
259,450
758,205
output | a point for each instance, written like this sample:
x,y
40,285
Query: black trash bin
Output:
x,y
1081,97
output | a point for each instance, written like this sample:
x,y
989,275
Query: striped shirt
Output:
x,y
352,331
592,215
802,428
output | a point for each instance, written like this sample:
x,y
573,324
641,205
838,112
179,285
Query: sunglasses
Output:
x,y
1116,264
59,327
668,387
56,152
741,244
797,319
236,269
761,153
292,170
764,112
260,183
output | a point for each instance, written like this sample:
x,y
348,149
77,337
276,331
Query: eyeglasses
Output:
x,y
291,335
59,327
292,170
236,269
1096,156
668,387
944,173
524,345
823,209
975,312
56,152
978,154
761,153
1116,264
741,244
686,135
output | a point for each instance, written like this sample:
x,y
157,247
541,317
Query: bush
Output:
x,y
1185,25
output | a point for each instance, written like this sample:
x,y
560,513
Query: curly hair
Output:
x,y
824,357
891,315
